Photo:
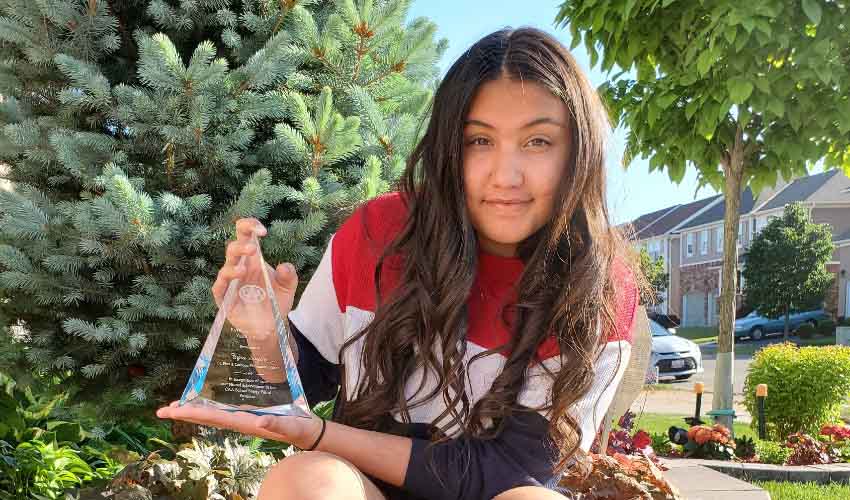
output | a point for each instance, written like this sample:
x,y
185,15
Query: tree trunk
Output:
x,y
733,169
787,323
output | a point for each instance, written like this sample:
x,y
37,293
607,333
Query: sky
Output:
x,y
631,192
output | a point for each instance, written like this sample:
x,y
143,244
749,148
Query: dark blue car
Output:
x,y
756,326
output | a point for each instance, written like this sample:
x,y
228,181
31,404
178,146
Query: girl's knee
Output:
x,y
314,475
529,493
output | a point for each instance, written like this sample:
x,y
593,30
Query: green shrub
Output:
x,y
806,331
202,470
41,455
745,447
826,328
770,452
661,444
806,387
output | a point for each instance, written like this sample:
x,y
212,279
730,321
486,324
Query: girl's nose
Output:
x,y
507,171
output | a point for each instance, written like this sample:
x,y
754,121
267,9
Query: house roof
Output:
x,y
634,227
804,189
674,216
718,211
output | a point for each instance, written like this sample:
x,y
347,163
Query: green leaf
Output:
x,y
813,10
705,61
730,33
739,89
776,106
744,115
66,431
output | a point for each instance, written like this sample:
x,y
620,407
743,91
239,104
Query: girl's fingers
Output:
x,y
225,275
245,228
286,277
237,249
244,422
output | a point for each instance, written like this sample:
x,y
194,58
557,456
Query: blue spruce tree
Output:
x,y
134,134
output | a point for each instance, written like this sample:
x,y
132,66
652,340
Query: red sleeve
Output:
x,y
628,298
357,246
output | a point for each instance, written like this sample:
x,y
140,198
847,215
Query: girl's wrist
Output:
x,y
313,435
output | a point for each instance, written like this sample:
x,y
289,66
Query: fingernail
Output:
x,y
289,267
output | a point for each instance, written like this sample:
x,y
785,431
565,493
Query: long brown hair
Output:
x,y
566,289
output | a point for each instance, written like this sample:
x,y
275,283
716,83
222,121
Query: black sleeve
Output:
x,y
319,376
470,468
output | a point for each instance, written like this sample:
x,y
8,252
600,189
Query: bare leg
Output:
x,y
317,475
529,493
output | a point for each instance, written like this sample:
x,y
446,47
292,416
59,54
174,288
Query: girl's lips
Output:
x,y
507,207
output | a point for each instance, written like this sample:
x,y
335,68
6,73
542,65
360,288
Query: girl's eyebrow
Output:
x,y
537,121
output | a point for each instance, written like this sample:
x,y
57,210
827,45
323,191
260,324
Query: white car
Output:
x,y
673,356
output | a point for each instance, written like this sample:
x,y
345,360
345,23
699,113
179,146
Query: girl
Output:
x,y
476,323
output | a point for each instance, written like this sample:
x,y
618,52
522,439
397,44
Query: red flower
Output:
x,y
836,432
641,440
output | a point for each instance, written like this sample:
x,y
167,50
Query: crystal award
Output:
x,y
246,363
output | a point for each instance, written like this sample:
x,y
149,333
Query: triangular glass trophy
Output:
x,y
246,363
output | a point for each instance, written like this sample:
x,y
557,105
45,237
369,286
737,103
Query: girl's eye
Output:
x,y
478,141
538,142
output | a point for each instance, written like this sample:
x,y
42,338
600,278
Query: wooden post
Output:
x,y
761,394
699,388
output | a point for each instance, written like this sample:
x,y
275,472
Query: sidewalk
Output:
x,y
681,403
697,482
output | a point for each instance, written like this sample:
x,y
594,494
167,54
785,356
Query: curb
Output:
x,y
829,473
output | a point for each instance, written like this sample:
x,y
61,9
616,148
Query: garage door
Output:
x,y
847,301
694,307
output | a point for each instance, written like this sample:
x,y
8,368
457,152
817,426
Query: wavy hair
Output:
x,y
566,288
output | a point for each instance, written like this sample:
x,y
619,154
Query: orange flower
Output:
x,y
722,430
693,432
703,435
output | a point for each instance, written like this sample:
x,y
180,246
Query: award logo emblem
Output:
x,y
246,363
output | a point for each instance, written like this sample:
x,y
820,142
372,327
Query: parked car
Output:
x,y
674,356
665,320
756,326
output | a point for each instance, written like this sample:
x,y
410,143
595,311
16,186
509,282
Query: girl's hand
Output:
x,y
300,431
284,280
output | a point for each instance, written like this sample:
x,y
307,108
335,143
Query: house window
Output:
x,y
703,242
739,283
719,238
654,249
740,232
690,245
754,228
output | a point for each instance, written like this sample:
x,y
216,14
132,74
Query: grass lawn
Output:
x,y
656,423
749,348
698,334
805,491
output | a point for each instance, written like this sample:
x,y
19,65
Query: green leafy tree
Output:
x,y
786,265
136,133
739,91
656,278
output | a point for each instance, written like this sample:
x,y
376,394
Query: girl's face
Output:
x,y
516,147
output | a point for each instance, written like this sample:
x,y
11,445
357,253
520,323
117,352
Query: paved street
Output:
x,y
742,365
668,398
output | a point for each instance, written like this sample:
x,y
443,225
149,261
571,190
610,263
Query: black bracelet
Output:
x,y
321,434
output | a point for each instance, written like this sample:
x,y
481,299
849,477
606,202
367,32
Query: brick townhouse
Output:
x,y
690,239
